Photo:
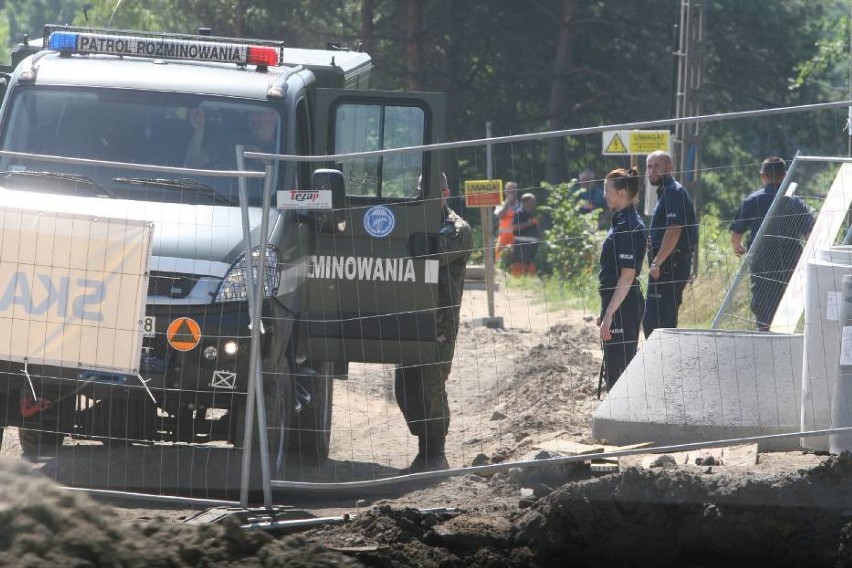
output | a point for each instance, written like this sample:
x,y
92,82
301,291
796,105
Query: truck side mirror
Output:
x,y
328,179
333,221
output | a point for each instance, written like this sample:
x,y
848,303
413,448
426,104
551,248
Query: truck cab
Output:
x,y
350,274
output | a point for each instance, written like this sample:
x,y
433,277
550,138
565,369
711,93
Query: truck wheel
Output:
x,y
35,443
310,438
279,402
278,398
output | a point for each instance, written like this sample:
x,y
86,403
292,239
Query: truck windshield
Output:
x,y
142,127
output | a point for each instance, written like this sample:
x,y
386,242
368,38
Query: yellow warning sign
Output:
x,y
616,146
483,192
634,142
184,334
648,141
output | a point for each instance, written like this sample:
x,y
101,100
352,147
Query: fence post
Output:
x,y
841,400
254,394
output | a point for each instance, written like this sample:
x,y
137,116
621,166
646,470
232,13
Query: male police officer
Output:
x,y
672,238
421,390
776,258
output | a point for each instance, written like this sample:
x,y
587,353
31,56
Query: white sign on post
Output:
x,y
72,289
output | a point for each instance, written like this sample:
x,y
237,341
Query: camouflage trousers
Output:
x,y
421,394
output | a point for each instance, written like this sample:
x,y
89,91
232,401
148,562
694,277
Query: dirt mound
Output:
x,y
44,525
639,518
394,538
655,518
554,381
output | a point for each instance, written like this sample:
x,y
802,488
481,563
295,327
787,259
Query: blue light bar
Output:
x,y
62,41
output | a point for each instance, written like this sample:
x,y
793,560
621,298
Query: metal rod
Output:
x,y
729,294
260,286
506,466
248,433
832,159
134,166
171,499
487,237
553,133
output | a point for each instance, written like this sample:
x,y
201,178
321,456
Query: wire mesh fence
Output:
x,y
351,347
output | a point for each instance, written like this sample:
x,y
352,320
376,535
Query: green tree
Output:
x,y
571,245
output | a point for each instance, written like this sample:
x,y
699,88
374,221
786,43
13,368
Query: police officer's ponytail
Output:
x,y
625,179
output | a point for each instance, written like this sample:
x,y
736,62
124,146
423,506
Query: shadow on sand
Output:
x,y
203,472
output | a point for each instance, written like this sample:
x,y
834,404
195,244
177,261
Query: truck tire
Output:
x,y
279,403
310,438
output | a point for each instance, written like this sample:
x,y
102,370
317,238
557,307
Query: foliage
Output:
x,y
571,239
717,267
495,62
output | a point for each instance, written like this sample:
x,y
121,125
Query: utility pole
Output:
x,y
690,59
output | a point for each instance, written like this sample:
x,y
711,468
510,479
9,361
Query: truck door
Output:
x,y
372,285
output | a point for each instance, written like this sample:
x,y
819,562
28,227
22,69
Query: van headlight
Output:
x,y
234,287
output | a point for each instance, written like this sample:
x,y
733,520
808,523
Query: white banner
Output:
x,y
304,199
72,289
828,223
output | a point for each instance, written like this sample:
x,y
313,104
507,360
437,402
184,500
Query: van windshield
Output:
x,y
142,127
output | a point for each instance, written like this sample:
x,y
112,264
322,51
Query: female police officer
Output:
x,y
621,261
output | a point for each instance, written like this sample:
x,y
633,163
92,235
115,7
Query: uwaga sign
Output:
x,y
72,289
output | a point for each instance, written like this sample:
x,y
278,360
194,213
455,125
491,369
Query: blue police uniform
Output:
x,y
624,247
674,207
777,255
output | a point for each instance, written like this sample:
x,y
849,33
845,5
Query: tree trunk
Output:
x,y
557,162
367,26
240,19
413,43
456,59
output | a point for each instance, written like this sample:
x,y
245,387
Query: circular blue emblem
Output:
x,y
379,221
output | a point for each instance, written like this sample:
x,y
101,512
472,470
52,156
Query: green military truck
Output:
x,y
349,274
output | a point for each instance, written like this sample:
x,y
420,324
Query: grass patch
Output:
x,y
559,294
717,266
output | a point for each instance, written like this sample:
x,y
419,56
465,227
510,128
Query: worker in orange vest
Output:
x,y
505,213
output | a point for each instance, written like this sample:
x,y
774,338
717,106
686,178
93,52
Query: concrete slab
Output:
x,y
697,385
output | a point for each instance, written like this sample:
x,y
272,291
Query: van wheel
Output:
x,y
310,438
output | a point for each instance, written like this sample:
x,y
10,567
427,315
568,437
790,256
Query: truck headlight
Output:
x,y
234,287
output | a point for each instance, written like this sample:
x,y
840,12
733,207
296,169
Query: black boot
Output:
x,y
430,456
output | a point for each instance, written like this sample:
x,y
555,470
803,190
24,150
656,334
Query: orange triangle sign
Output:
x,y
184,334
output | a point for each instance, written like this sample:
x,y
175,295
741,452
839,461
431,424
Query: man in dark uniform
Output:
x,y
527,235
672,239
781,243
421,390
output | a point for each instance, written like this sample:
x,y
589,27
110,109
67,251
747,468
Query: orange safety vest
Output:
x,y
505,236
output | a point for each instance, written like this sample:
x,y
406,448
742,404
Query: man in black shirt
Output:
x,y
672,239
780,247
527,235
